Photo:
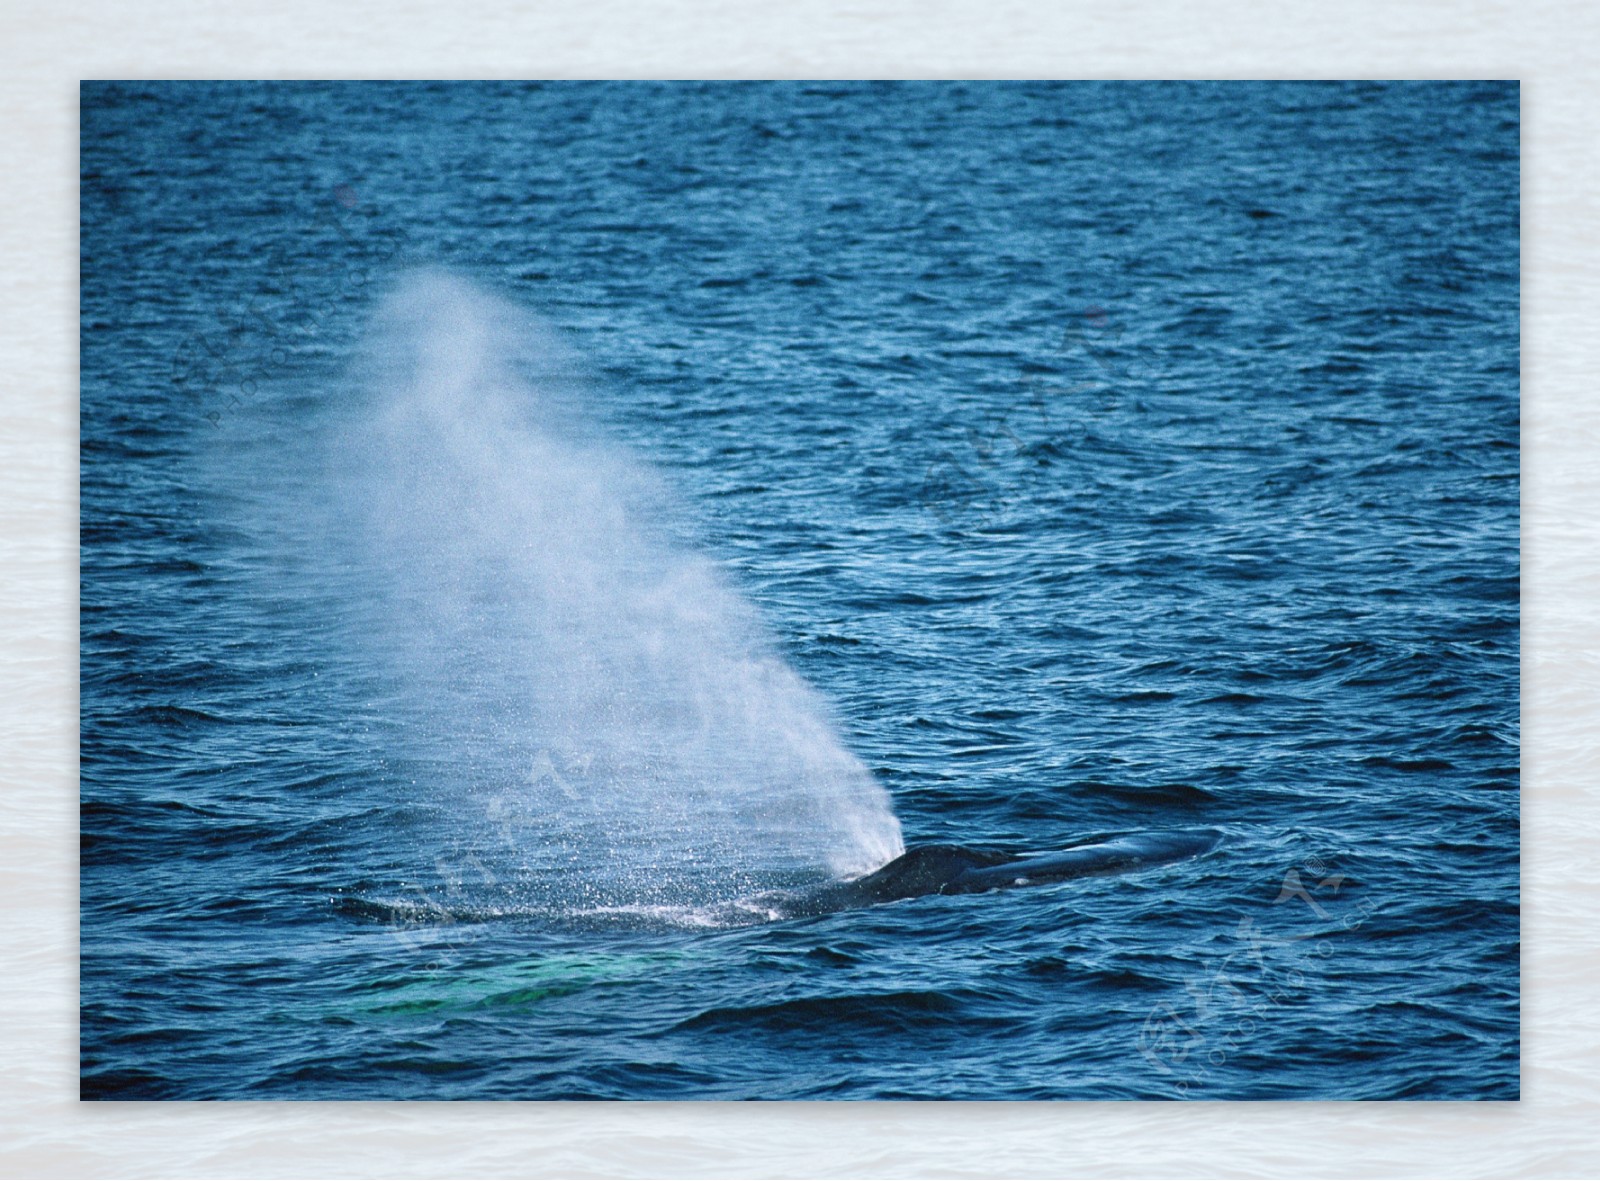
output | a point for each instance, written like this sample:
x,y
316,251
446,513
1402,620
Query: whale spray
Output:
x,y
567,672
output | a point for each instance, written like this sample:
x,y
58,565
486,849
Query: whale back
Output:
x,y
927,869
955,869
1123,854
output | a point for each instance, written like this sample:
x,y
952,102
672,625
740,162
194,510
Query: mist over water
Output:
x,y
581,691
1114,458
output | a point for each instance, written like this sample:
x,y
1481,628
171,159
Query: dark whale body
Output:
x,y
952,869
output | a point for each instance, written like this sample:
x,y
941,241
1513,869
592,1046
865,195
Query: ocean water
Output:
x,y
523,524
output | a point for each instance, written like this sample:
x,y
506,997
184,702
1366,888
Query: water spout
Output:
x,y
587,687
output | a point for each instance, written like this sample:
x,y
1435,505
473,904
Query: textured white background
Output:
x,y
1551,46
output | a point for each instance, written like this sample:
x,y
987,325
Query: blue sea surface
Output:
x,y
1109,458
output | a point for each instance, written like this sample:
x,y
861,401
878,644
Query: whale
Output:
x,y
957,869
919,872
